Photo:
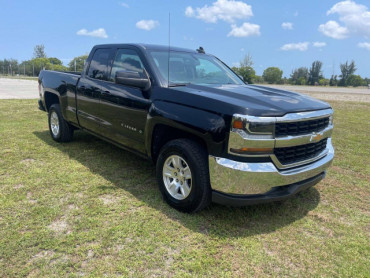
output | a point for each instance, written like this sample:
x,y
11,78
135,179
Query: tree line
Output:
x,y
271,75
39,62
302,75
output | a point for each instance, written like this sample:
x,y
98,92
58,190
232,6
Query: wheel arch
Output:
x,y
50,99
163,133
168,121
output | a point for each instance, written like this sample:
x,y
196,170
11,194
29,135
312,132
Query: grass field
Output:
x,y
89,208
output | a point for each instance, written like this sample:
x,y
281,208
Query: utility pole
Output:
x,y
24,69
75,65
33,69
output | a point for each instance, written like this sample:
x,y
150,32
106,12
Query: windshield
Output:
x,y
193,68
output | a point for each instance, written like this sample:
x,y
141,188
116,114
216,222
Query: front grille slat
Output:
x,y
301,127
295,154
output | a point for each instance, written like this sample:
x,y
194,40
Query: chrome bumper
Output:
x,y
233,177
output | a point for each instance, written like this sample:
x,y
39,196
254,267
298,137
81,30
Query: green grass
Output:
x,y
89,208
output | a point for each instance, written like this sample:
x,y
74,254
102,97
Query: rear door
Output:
x,y
89,90
124,109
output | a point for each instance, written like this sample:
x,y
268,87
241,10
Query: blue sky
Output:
x,y
287,34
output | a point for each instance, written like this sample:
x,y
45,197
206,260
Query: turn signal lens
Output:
x,y
252,150
238,124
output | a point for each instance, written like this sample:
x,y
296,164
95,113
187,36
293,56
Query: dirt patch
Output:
x,y
72,207
46,254
30,199
60,226
18,186
109,199
28,161
169,258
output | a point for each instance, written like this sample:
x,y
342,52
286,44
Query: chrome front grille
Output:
x,y
300,153
296,138
301,127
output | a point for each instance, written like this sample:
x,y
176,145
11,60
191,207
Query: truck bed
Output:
x,y
63,84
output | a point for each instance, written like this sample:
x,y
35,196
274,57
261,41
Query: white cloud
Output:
x,y
287,25
189,11
98,33
333,30
365,45
301,46
355,19
319,44
124,5
224,10
245,30
147,24
296,13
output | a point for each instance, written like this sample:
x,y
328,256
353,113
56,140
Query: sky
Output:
x,y
287,34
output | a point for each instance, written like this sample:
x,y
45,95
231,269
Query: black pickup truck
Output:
x,y
211,136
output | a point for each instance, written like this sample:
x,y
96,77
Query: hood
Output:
x,y
244,99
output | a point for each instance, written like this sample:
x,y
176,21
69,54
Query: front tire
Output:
x,y
183,176
60,130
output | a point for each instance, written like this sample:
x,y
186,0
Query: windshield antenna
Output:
x,y
169,44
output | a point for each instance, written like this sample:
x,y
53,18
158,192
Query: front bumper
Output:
x,y
248,183
278,193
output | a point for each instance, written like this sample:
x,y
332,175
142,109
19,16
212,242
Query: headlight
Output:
x,y
260,128
256,127
252,129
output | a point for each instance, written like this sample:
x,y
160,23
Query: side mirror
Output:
x,y
133,78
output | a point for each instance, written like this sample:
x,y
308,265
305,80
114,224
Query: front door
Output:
x,y
124,109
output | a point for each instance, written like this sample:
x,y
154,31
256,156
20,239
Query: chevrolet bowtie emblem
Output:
x,y
316,137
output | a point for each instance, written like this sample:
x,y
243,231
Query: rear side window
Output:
x,y
99,64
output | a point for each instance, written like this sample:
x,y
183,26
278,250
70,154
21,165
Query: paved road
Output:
x,y
329,93
18,89
23,89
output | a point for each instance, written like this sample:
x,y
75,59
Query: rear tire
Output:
x,y
183,176
60,130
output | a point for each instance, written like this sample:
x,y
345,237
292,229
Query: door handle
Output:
x,y
105,93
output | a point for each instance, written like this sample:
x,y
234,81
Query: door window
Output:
x,y
126,59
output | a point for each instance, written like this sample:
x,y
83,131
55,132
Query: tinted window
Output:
x,y
195,68
126,59
99,64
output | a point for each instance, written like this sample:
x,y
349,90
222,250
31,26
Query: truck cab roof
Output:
x,y
145,47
